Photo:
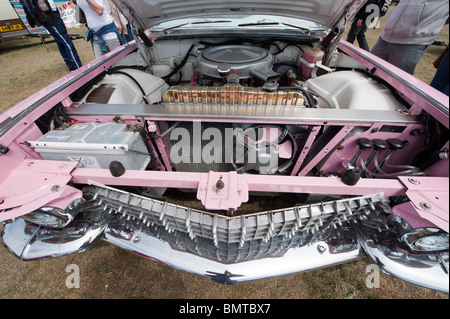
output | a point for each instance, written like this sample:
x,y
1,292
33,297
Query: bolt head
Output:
x,y
321,248
413,181
220,184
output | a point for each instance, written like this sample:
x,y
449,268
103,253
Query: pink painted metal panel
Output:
x,y
30,180
349,147
305,150
408,212
441,168
32,184
219,191
326,149
256,183
58,199
429,195
33,181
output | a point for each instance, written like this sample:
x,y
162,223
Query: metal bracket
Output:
x,y
222,191
33,184
429,195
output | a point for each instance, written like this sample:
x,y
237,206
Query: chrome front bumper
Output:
x,y
424,269
231,249
229,263
32,242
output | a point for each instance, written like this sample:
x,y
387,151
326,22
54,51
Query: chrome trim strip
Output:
x,y
242,113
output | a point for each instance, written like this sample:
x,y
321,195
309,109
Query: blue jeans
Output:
x,y
65,44
403,56
360,34
440,80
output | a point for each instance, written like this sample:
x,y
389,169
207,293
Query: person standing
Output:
x,y
361,23
121,22
45,13
102,31
441,78
409,29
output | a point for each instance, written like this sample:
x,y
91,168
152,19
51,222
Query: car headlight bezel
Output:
x,y
54,217
427,239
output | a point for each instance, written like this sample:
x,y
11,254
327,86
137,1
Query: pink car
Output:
x,y
160,145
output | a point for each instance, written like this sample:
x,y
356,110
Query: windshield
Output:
x,y
260,22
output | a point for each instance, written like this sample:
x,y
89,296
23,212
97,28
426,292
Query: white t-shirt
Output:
x,y
95,21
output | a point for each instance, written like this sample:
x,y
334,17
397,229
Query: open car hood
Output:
x,y
147,13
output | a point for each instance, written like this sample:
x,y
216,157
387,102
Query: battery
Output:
x,y
95,145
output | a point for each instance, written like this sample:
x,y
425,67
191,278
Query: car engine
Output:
x,y
264,83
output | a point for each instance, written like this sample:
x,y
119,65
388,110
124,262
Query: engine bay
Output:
x,y
265,108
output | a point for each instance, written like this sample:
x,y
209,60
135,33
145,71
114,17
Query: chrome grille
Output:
x,y
228,253
239,230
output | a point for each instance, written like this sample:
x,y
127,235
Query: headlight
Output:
x,y
54,217
426,239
